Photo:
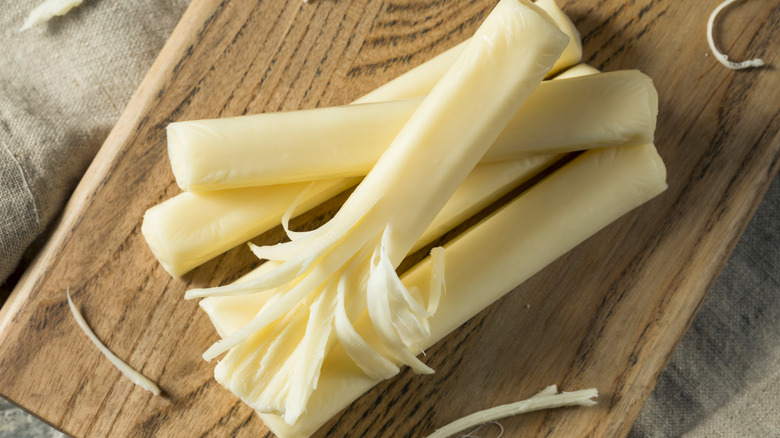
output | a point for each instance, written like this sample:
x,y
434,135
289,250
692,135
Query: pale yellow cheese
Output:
x,y
48,10
592,111
283,147
493,257
131,373
202,237
608,109
578,70
484,185
192,228
572,54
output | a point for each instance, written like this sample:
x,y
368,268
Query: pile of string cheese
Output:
x,y
327,317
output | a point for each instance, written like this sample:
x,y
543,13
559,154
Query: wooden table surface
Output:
x,y
609,314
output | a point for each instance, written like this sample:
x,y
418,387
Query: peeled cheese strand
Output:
x,y
134,376
482,426
720,56
48,10
535,403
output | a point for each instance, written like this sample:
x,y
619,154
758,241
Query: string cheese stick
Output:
x,y
419,80
608,109
536,403
361,246
492,257
192,228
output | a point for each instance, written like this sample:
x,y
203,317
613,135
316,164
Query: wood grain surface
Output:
x,y
608,314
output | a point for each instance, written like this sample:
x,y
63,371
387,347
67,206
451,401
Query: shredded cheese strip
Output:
x,y
720,56
536,403
48,10
134,376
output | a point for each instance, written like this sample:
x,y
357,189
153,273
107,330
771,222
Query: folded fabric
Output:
x,y
63,84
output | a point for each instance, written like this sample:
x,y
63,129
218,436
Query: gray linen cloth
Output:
x,y
63,85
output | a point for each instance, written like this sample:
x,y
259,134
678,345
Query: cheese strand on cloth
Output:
x,y
491,258
48,10
354,256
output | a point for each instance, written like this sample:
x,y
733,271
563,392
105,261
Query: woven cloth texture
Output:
x,y
64,84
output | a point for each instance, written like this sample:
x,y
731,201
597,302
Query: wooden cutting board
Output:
x,y
608,315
